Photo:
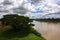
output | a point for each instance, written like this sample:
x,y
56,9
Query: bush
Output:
x,y
35,32
18,23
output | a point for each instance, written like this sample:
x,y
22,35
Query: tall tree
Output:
x,y
17,22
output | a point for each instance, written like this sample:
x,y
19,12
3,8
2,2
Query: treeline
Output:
x,y
49,20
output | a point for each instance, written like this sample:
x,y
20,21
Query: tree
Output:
x,y
18,23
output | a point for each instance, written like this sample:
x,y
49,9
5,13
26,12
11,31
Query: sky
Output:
x,y
31,8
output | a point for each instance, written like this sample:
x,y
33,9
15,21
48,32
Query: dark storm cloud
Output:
x,y
17,10
4,11
6,2
36,1
20,10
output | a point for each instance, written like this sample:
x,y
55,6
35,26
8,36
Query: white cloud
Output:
x,y
44,6
48,6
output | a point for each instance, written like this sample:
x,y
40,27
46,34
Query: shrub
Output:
x,y
35,32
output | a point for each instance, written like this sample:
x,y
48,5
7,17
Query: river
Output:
x,y
50,31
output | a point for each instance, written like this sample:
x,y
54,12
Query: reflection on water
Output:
x,y
51,31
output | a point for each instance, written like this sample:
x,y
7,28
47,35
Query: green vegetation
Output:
x,y
19,28
53,20
29,37
36,33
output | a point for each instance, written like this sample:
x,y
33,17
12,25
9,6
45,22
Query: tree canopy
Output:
x,y
17,22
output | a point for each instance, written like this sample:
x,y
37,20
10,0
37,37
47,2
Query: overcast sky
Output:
x,y
31,8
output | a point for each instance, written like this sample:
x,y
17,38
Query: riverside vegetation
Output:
x,y
15,27
52,20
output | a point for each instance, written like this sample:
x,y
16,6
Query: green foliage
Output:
x,y
17,22
29,37
53,20
21,27
35,32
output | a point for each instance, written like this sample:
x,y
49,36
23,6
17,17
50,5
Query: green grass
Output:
x,y
31,36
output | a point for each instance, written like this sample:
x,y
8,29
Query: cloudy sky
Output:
x,y
30,8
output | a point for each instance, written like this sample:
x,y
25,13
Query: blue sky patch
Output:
x,y
38,11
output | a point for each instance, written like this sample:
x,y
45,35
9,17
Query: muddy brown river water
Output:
x,y
50,31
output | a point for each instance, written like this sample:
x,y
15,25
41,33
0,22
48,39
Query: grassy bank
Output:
x,y
10,35
29,37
